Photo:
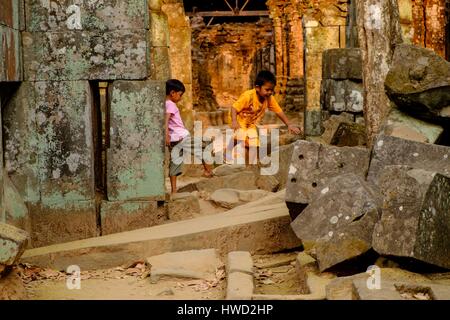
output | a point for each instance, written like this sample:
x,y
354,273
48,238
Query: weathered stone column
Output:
x,y
379,31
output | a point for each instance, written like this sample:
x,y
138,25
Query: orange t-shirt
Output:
x,y
250,110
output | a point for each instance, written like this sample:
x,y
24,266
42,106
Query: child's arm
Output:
x,y
167,129
234,123
291,128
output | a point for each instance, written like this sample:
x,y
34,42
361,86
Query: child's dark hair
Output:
x,y
265,76
174,85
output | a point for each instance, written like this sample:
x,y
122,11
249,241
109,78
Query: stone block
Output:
x,y
21,142
183,206
304,266
340,220
239,261
268,183
312,164
349,134
419,82
341,95
229,169
401,125
10,15
396,151
197,264
121,216
332,124
240,286
64,132
231,198
342,64
10,54
15,208
245,180
159,65
85,55
313,122
136,154
159,30
67,15
415,215
61,222
342,288
14,241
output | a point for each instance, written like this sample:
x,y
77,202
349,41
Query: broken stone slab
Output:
x,y
183,206
313,164
340,220
240,286
198,264
415,215
231,198
341,96
136,154
332,124
86,55
13,243
342,64
105,15
396,151
401,125
419,82
120,216
349,134
15,208
239,261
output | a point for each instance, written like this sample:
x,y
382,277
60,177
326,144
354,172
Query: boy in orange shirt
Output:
x,y
249,109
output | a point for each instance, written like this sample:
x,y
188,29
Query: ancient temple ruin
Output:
x,y
82,149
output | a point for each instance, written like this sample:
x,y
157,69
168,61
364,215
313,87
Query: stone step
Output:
x,y
254,230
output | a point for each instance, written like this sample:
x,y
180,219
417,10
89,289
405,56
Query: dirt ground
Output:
x,y
134,283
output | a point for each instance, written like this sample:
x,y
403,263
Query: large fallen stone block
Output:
x,y
415,218
342,64
278,164
401,125
230,198
69,15
332,124
13,243
136,154
419,82
312,164
85,55
396,151
340,220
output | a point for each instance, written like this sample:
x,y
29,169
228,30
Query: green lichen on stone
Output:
x,y
76,67
136,8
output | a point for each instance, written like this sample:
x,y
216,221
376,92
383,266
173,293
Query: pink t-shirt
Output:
x,y
177,131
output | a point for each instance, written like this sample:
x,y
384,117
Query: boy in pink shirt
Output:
x,y
176,132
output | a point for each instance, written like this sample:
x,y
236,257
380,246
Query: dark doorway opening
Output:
x,y
101,142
